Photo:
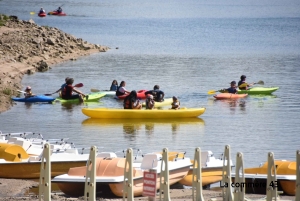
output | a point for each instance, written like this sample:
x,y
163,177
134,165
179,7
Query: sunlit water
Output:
x,y
188,48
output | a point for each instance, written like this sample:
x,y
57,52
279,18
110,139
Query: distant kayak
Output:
x,y
258,90
57,13
229,96
42,14
89,98
140,95
34,99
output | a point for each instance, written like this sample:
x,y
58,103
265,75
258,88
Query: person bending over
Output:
x,y
157,94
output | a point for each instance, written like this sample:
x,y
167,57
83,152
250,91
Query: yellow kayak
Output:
x,y
167,101
108,113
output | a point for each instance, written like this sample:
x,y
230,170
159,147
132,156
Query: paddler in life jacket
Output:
x,y
67,92
59,10
242,84
132,102
232,88
42,10
121,89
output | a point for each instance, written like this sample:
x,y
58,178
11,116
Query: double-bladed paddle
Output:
x,y
76,85
215,91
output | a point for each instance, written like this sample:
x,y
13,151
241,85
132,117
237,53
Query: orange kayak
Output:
x,y
229,96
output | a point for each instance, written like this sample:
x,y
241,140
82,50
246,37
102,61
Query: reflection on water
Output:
x,y
135,126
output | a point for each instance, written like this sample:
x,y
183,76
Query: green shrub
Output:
x,y
7,91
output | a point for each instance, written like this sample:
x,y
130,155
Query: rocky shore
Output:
x,y
26,47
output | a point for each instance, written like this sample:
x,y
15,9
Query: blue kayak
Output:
x,y
33,99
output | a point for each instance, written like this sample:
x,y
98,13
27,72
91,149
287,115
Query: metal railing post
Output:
x,y
164,177
271,180
297,176
128,176
90,179
226,176
239,189
197,176
45,175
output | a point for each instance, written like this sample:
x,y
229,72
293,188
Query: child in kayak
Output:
x,y
175,104
132,102
121,89
150,102
67,92
28,93
243,85
114,86
42,10
231,89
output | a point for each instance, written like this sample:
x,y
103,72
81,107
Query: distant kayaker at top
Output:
x,y
114,86
121,89
42,10
28,93
242,84
59,10
157,94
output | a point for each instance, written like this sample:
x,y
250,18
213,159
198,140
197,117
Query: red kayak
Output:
x,y
140,95
229,96
57,13
42,14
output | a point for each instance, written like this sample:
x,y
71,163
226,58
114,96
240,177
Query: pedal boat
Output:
x,y
256,178
110,175
211,170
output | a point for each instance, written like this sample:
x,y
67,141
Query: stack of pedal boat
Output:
x,y
16,152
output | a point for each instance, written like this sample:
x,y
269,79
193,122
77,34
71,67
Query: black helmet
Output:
x,y
233,82
243,77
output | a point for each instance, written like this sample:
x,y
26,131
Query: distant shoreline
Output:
x,y
26,47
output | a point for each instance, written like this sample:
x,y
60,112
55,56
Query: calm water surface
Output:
x,y
188,49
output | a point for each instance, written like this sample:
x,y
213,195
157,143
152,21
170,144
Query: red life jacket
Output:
x,y
67,91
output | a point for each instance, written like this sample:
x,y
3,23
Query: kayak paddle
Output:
x,y
76,85
98,90
215,91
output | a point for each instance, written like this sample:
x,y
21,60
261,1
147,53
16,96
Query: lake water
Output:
x,y
188,48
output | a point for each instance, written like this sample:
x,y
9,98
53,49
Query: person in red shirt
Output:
x,y
67,92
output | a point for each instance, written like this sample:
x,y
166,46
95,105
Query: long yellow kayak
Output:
x,y
108,113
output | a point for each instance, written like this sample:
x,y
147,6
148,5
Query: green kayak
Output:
x,y
89,98
258,90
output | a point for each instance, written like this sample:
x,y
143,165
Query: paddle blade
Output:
x,y
78,85
212,92
32,13
260,82
47,94
95,90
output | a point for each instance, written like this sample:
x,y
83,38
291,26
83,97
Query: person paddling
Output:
x,y
243,85
232,89
67,92
62,87
28,93
157,94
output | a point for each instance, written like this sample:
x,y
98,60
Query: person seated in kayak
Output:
x,y
121,89
62,87
42,10
242,84
150,103
114,86
232,89
28,93
157,94
67,92
59,10
132,102
175,104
